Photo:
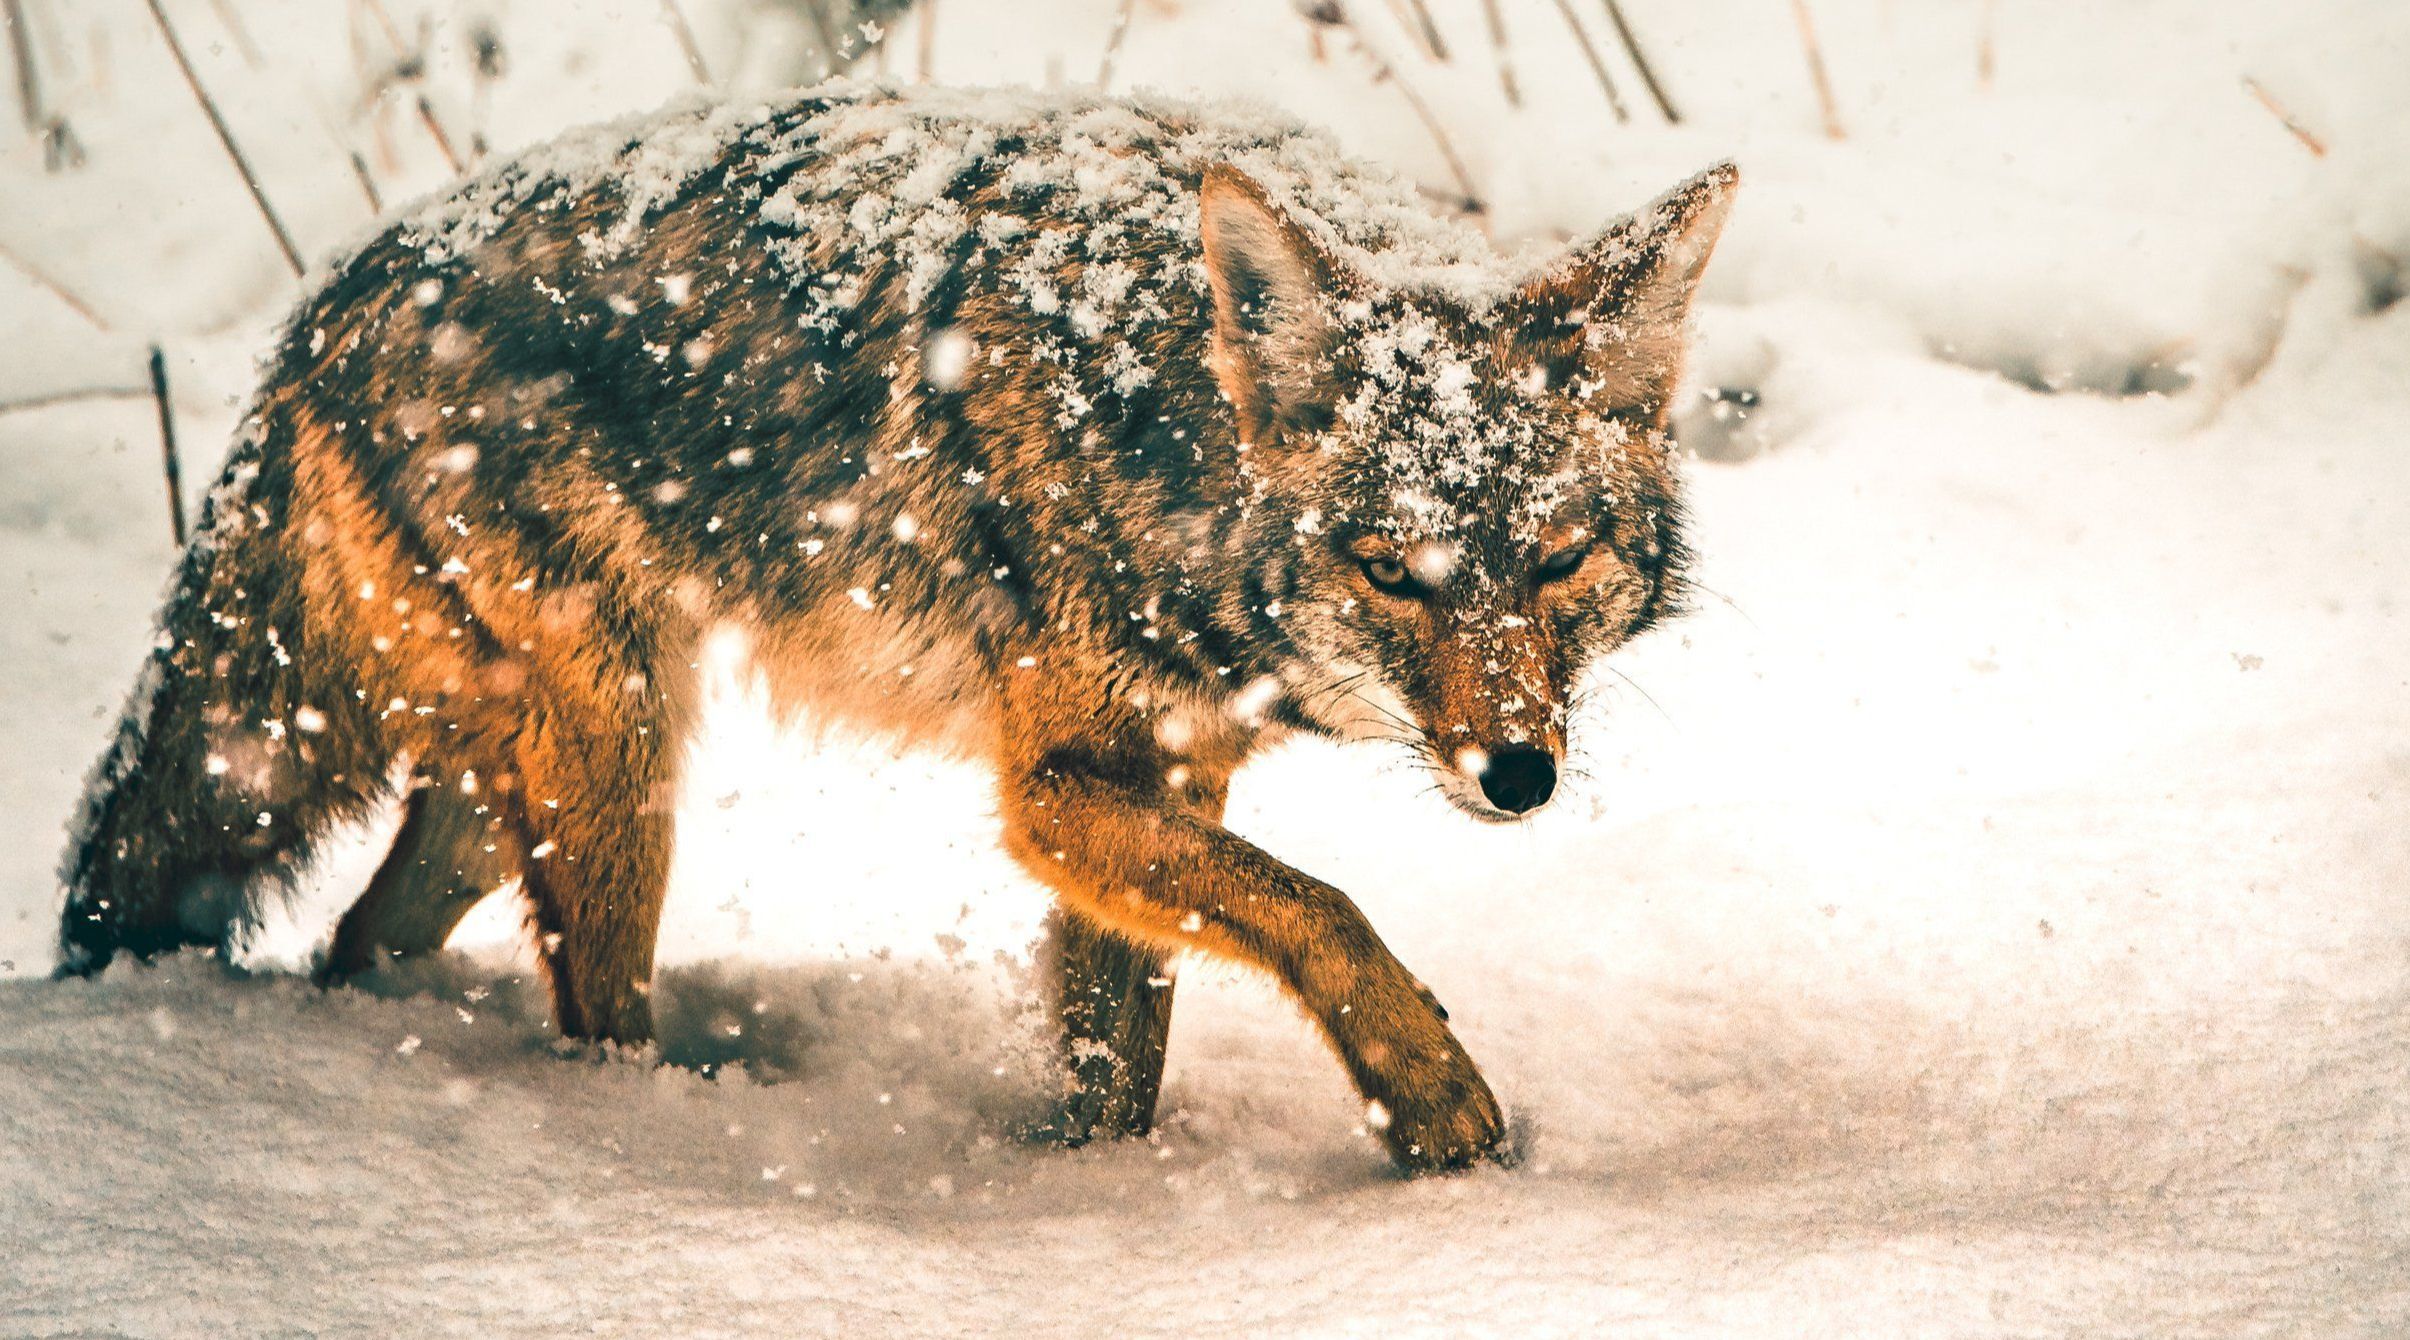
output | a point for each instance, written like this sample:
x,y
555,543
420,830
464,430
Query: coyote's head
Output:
x,y
1461,498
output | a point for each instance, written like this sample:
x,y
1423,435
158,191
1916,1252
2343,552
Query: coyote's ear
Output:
x,y
1272,284
1612,314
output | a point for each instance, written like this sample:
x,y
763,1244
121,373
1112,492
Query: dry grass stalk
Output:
x,y
1598,67
368,182
435,132
231,20
49,398
1432,41
1413,18
406,67
1331,14
284,240
1985,62
488,63
371,109
1640,62
1121,30
1815,61
2309,141
1471,202
1506,63
384,18
29,76
53,287
60,148
168,462
685,33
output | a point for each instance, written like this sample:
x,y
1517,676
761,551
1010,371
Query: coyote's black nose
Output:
x,y
1519,778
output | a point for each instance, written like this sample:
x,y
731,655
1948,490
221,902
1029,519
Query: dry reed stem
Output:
x,y
1121,30
676,19
1332,14
2309,141
435,132
1986,64
1598,67
1640,62
49,398
284,240
60,148
367,180
168,463
1815,61
29,76
1432,41
1506,64
43,280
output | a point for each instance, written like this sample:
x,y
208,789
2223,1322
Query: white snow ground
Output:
x,y
1990,920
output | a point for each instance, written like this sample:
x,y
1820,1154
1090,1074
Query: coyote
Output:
x,y
1101,441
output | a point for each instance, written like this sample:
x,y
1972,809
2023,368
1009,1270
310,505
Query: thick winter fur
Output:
x,y
1103,442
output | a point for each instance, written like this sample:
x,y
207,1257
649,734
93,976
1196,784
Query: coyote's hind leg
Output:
x,y
1112,998
1113,1002
597,808
454,848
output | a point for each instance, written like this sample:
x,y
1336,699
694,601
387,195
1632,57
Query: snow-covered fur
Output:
x,y
1101,441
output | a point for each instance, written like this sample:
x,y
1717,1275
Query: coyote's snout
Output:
x,y
1103,442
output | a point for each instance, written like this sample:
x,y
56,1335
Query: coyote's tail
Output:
x,y
234,750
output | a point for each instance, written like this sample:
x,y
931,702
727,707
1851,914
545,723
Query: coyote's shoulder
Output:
x,y
1098,439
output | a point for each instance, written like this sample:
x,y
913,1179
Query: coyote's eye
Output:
x,y
1389,575
1561,564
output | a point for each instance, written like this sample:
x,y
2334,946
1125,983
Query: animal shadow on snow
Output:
x,y
774,1023
1663,1089
877,1078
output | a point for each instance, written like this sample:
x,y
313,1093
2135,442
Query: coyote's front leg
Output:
x,y
1092,805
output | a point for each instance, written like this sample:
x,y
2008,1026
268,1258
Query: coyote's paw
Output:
x,y
1422,1093
1109,1111
1449,1120
1068,1124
